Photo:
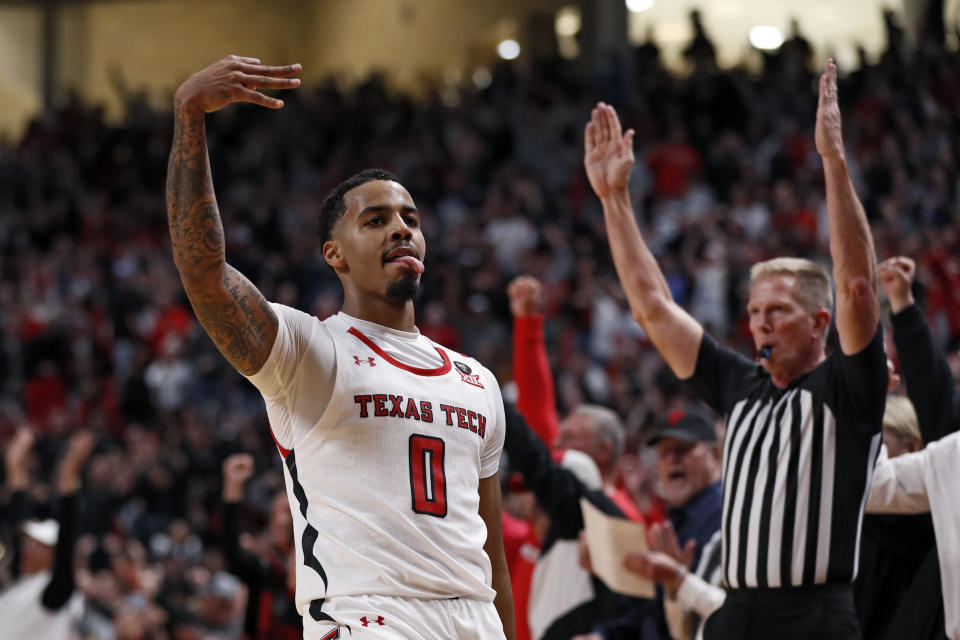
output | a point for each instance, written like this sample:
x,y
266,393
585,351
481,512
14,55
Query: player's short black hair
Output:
x,y
333,206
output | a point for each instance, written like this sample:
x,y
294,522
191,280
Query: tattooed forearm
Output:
x,y
233,312
195,229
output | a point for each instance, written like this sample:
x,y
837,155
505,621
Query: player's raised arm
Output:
x,y
851,245
608,159
232,311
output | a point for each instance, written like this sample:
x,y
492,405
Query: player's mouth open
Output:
x,y
405,256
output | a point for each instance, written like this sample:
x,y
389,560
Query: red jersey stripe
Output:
x,y
439,371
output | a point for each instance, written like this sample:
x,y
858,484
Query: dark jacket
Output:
x,y
558,493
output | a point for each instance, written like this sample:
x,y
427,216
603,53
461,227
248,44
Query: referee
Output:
x,y
803,428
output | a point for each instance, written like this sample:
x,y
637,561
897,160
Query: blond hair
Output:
x,y
900,419
812,286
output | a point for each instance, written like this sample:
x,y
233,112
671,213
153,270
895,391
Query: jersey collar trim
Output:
x,y
420,371
366,325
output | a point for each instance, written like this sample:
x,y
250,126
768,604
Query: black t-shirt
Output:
x,y
796,462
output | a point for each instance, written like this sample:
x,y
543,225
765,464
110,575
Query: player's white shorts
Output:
x,y
391,618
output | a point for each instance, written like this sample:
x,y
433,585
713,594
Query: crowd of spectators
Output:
x,y
95,331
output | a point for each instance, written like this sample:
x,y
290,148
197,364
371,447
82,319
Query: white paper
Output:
x,y
609,540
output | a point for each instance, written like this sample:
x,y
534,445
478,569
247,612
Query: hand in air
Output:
x,y
828,136
896,275
18,449
526,296
71,465
16,459
608,153
235,79
238,468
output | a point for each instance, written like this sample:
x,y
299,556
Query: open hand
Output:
x,y
896,275
662,538
234,79
828,136
608,153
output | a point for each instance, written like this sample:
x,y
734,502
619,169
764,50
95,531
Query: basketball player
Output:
x,y
390,442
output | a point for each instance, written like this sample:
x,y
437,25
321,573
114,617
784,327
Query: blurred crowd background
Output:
x,y
96,333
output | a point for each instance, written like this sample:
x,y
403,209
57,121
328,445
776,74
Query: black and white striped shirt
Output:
x,y
708,568
796,463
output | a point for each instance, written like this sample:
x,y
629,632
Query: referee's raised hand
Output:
x,y
828,136
235,79
608,152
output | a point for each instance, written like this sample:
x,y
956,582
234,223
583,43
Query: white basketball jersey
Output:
x,y
385,437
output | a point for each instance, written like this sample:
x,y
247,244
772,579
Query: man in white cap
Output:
x,y
42,602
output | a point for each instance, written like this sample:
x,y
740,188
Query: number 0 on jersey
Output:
x,y
428,484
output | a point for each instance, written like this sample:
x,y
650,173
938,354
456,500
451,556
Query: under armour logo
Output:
x,y
369,361
378,621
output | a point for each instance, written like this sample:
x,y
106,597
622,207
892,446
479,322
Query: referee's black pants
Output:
x,y
822,612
